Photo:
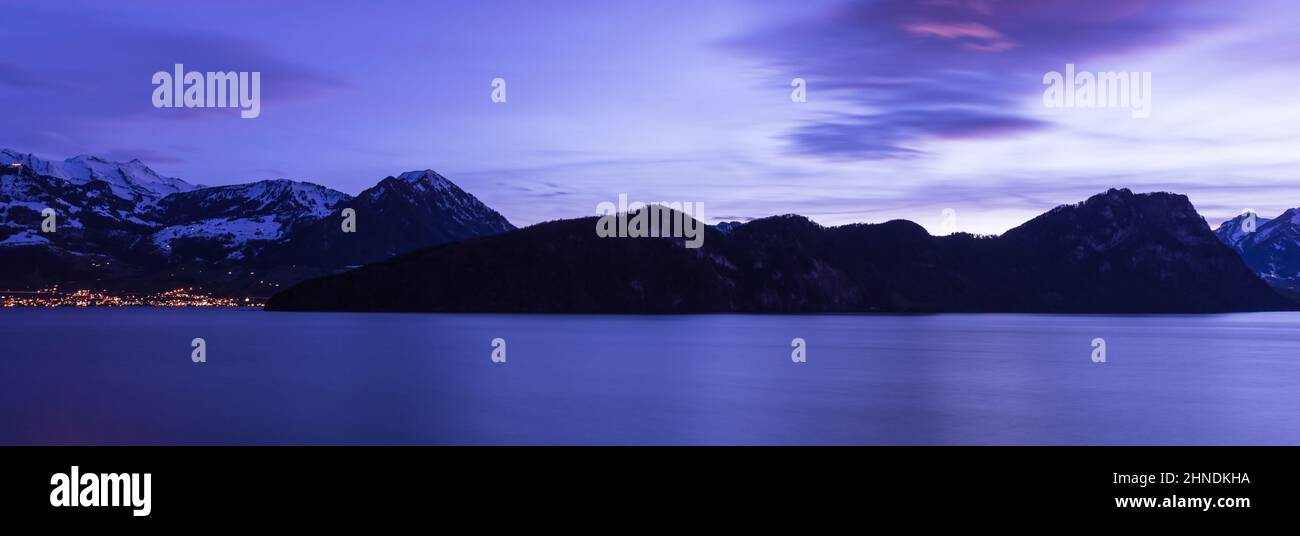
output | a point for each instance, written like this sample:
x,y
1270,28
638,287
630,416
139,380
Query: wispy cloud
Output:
x,y
943,69
96,69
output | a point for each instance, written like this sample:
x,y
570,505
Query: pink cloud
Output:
x,y
952,30
977,37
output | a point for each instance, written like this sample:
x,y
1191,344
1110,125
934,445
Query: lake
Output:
x,y
125,376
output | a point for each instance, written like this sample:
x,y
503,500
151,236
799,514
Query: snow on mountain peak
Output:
x,y
287,198
39,166
128,180
315,199
1272,250
1233,231
426,177
232,223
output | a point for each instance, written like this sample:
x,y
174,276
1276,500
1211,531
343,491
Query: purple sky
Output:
x,y
913,105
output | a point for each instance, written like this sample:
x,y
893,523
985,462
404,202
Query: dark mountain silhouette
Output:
x,y
1117,252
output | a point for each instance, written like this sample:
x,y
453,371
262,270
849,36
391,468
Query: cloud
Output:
x,y
65,72
945,69
880,136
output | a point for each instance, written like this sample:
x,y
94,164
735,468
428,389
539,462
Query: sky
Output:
x,y
912,106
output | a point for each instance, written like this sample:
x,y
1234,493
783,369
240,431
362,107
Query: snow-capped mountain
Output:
x,y
1272,250
242,239
403,213
14,159
128,179
243,218
132,180
440,202
286,199
90,213
1233,231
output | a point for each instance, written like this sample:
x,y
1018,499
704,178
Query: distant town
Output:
x,y
181,297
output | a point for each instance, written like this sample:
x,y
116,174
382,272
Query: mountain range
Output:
x,y
423,244
1270,247
1117,252
121,226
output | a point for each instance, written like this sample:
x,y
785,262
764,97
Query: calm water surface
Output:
x,y
124,376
